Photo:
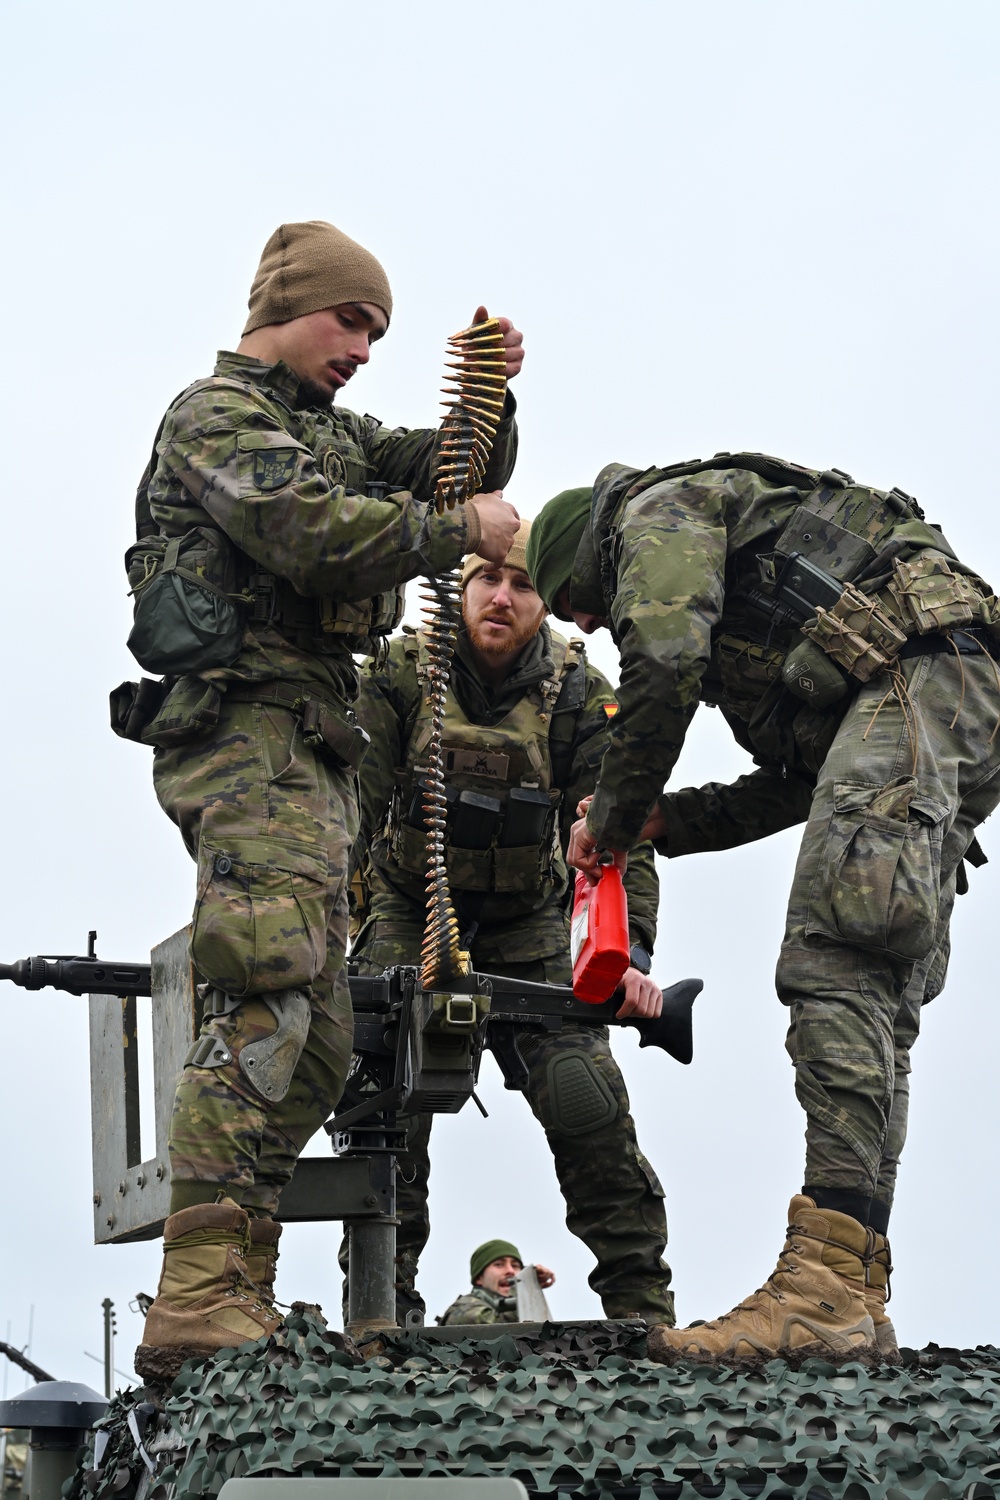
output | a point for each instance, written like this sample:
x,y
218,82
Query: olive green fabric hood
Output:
x,y
556,533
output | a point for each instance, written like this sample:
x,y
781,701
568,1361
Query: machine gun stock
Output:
x,y
518,1002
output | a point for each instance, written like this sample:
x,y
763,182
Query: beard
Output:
x,y
316,394
509,644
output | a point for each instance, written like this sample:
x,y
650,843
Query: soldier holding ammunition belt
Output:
x,y
850,652
525,728
274,534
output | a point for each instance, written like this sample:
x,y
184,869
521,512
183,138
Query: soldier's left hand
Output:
x,y
545,1276
582,852
513,342
643,997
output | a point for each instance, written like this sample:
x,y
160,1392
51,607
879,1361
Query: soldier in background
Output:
x,y
314,517
493,1299
525,729
874,719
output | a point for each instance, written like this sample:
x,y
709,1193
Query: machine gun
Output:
x,y
418,1050
415,1050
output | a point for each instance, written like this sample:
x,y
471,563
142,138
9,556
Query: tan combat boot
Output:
x,y
813,1304
204,1301
878,1270
262,1256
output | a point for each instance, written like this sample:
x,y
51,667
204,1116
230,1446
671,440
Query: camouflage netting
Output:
x,y
574,1412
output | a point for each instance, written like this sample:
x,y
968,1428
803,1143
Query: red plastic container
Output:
x,y
599,945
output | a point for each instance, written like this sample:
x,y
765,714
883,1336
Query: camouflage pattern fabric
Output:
x,y
686,553
270,824
481,1306
388,707
575,1411
894,811
614,1200
892,783
284,479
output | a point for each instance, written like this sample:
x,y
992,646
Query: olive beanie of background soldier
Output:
x,y
308,266
488,1253
556,533
516,557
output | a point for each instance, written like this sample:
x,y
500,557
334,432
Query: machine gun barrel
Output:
x,y
78,976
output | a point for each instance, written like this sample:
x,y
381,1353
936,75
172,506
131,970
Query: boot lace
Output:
x,y
244,1289
787,1266
873,1256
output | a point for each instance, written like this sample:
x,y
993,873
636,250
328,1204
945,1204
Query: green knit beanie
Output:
x,y
491,1251
556,533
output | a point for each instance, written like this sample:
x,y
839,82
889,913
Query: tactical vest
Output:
x,y
837,524
853,532
503,783
323,625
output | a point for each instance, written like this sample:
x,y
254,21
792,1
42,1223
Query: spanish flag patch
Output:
x,y
610,709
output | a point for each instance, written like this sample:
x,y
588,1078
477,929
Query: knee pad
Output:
x,y
266,1062
580,1100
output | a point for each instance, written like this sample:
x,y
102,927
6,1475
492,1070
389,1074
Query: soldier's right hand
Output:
x,y
499,521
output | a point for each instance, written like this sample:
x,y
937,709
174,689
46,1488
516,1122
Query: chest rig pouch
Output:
x,y
501,835
187,612
833,538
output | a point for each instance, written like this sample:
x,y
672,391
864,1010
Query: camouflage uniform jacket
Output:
x,y
675,559
389,702
284,477
481,1306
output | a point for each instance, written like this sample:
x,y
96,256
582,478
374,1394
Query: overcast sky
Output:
x,y
720,226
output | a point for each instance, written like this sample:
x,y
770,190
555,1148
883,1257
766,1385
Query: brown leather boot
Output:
x,y
262,1256
813,1304
878,1269
204,1301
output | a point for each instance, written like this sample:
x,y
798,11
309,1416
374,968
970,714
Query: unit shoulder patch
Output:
x,y
273,468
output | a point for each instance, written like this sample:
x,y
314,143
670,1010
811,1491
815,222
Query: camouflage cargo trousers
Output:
x,y
911,773
270,824
614,1201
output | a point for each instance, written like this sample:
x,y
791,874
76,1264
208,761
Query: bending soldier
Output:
x,y
493,1299
312,518
848,649
525,728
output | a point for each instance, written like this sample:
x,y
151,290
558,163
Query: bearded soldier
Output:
x,y
267,506
525,727
848,649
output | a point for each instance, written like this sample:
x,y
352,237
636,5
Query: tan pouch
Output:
x,y
856,634
932,596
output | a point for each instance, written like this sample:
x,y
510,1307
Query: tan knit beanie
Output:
x,y
308,266
516,557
